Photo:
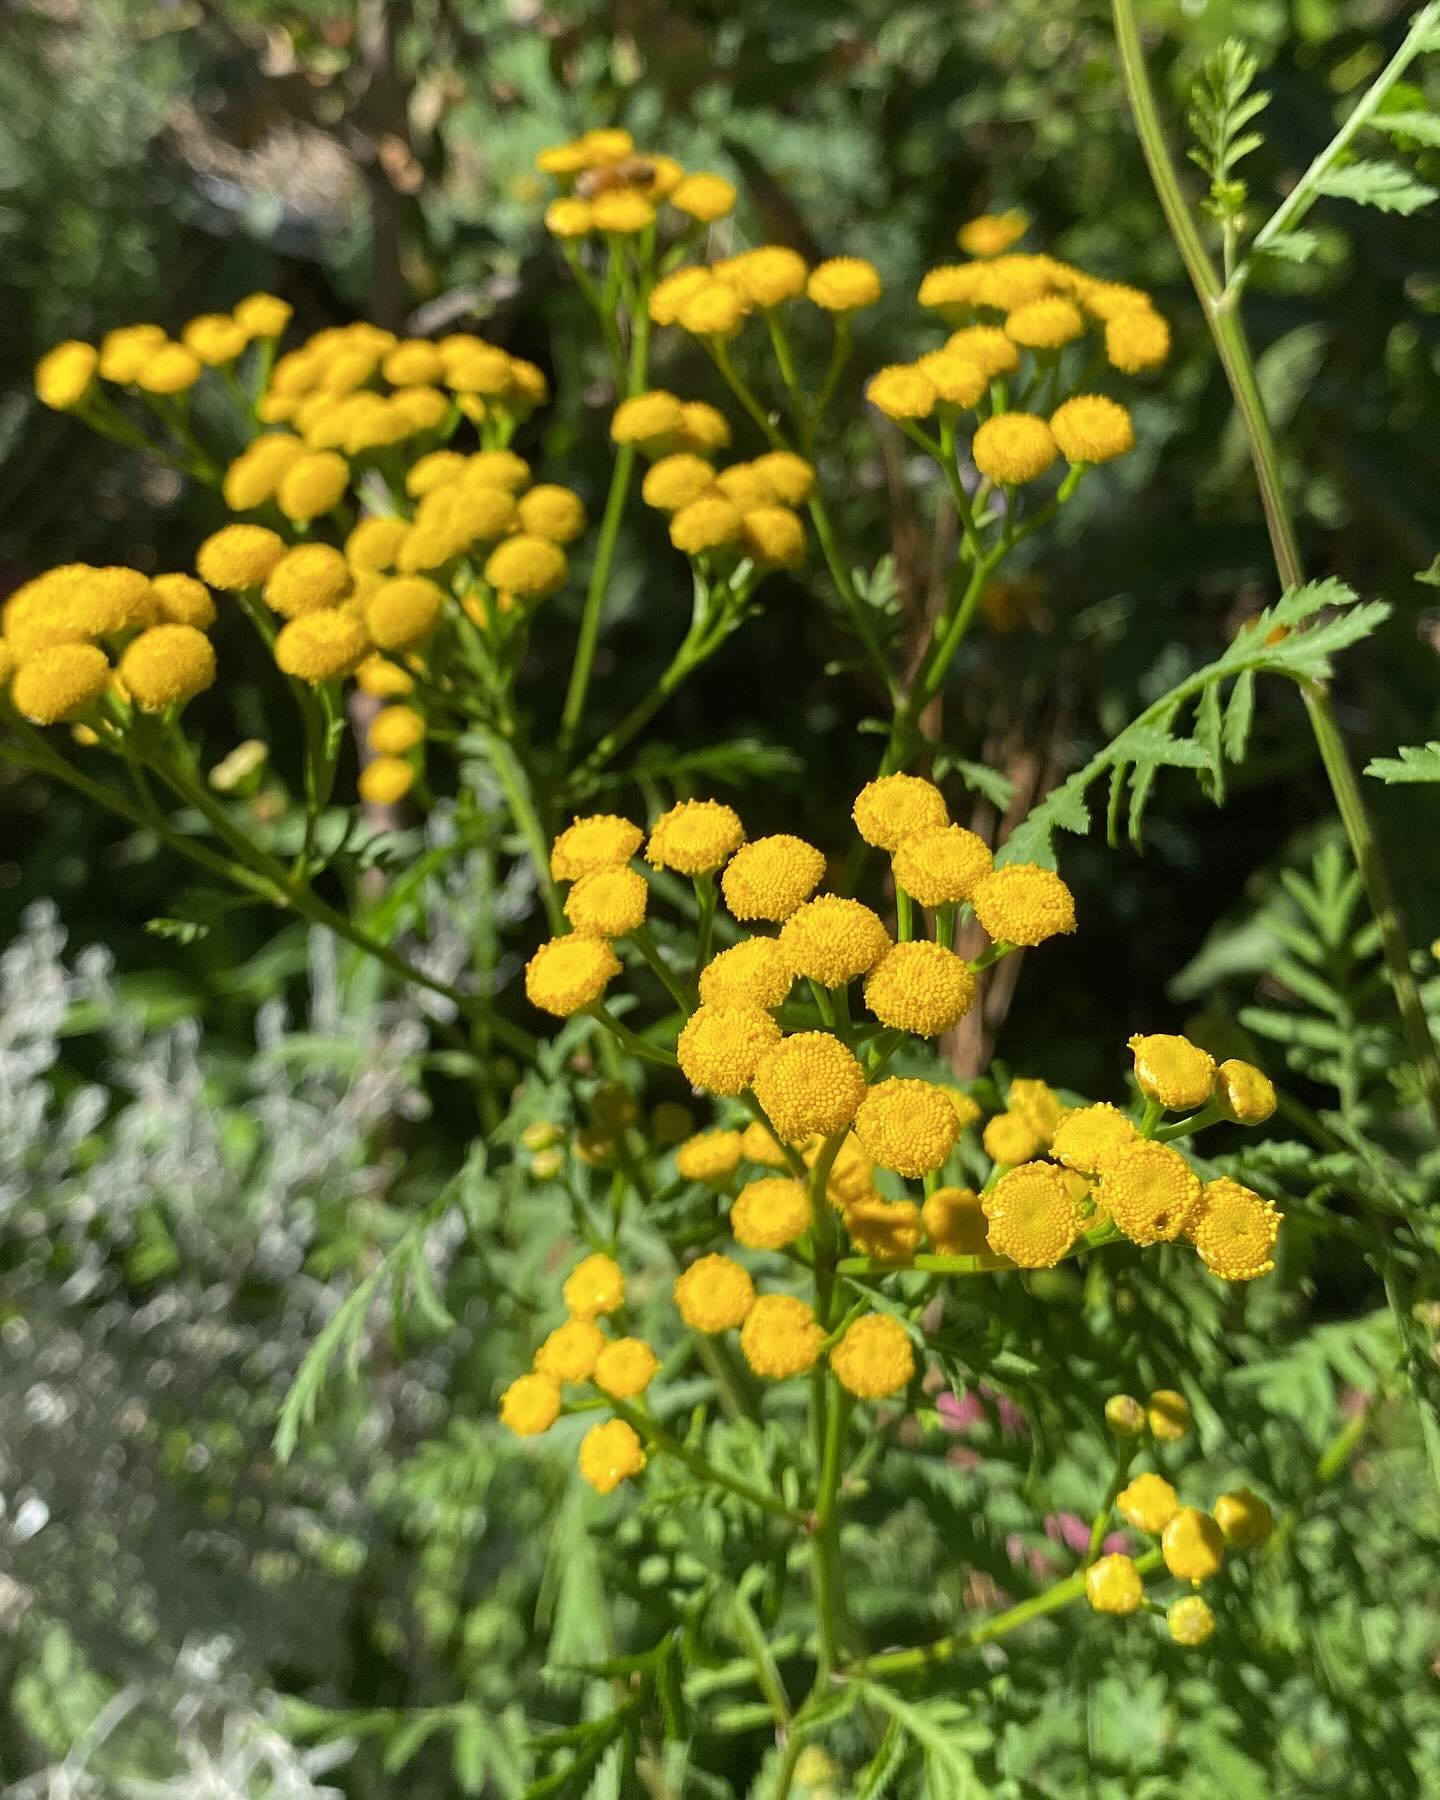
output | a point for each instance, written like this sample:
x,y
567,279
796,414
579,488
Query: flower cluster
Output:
x,y
1192,1541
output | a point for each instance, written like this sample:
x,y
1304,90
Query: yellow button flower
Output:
x,y
310,578
239,556
395,730
1137,340
992,233
569,973
1149,1503
609,1454
262,315
887,1231
1089,1135
907,1125
1033,1216
789,478
183,601
703,427
530,1405
123,350
610,903
874,1358
920,987
595,1286
1190,1620
711,1156
1234,1229
622,212
773,536
65,375
169,369
553,512
166,666
673,292
1192,1545
321,646
780,1337
967,1111
832,940
571,1351
894,808
383,679
60,681
844,284
754,972
1046,324
676,481
1149,1190
704,196
527,566
599,841
852,1174
695,837
1023,904
721,1046
902,391
768,275
710,523
771,877
1125,1415
1038,1104
1244,1519
1013,448
987,347
215,338
942,865
403,612
714,1294
1172,1070
1010,1138
1091,429
1113,1585
770,1213
1246,1094
1167,1413
808,1083
957,380
385,780
625,1368
955,1222
758,1144
646,418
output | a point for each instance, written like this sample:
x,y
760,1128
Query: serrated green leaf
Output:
x,y
409,1740
1210,737
1430,577
1291,246
1239,712
1383,185
1415,762
1422,127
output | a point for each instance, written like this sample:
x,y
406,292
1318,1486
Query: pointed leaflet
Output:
x,y
1415,762
1385,186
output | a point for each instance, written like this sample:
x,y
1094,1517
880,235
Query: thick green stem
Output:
x,y
1223,319
579,687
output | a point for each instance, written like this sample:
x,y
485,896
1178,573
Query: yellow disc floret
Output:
x,y
1088,1135
710,523
695,837
992,233
610,903
943,865
385,781
721,1046
569,973
609,1454
1172,1070
1046,324
832,940
907,1125
1136,340
769,878
321,646
1234,1229
1190,1621
59,682
313,485
548,511
184,601
65,375
404,611
395,730
1167,1413
895,807
1192,1545
1113,1585
887,1231
239,556
310,578
530,1405
754,972
704,196
1149,1503
1013,448
711,1156
1033,1216
1091,429
166,666
1010,1138
1149,1190
600,841
714,1294
1023,904
874,1358
955,1222
770,1213
571,1351
625,1368
527,566
1244,1519
920,987
1244,1093
809,1083
844,284
903,391
781,1337
594,1287
677,481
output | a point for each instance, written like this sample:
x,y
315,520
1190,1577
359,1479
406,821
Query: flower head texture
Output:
x,y
396,730
902,391
895,807
403,612
1045,324
1136,340
60,681
789,477
1125,1415
695,837
600,841
722,1046
808,1083
239,556
609,1454
771,876
167,665
183,601
1091,429
65,375
773,536
1172,1070
1089,1134
781,1337
571,1351
1013,448
1167,1413
625,1368
1033,1216
955,377
992,233
312,485
594,1287
527,566
1246,1094
552,512
987,347
955,1222
907,1125
711,522
1234,1229
714,1294
887,1231
1113,1585
832,940
1149,1504
704,196
943,865
844,284
711,1156
1010,1138
385,780
310,578
703,427
1192,1545
530,1405
1149,1190
769,275
1244,1519
646,418
1023,904
321,646
609,903
754,972
676,481
1189,1620
758,1144
874,1358
569,973
920,987
770,1213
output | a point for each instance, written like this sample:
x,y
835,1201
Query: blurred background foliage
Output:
x,y
376,159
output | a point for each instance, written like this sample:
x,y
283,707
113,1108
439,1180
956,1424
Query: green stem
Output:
x,y
1226,328
1100,1524
648,948
656,1436
832,1415
850,595
636,1045
520,799
595,596
1064,1593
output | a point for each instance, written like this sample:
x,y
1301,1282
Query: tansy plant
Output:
x,y
758,1314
